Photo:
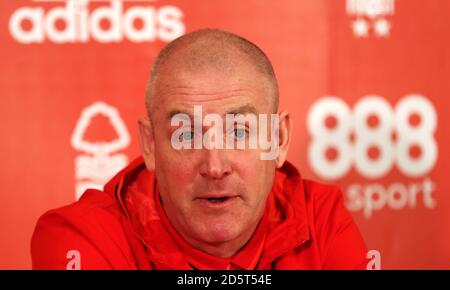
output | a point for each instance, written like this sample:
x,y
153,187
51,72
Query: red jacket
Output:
x,y
307,227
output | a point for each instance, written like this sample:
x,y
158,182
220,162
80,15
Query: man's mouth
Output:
x,y
217,200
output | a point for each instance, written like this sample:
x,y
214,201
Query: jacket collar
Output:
x,y
134,189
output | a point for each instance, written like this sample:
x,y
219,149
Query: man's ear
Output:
x,y
146,142
284,137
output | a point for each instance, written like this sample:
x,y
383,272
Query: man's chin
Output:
x,y
219,232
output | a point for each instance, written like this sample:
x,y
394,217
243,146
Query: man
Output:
x,y
189,205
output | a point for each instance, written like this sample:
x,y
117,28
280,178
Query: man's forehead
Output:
x,y
208,78
215,92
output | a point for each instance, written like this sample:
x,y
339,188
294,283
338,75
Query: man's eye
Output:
x,y
239,133
186,136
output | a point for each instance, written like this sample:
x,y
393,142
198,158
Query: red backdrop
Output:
x,y
365,80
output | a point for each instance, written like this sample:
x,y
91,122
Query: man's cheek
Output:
x,y
177,161
246,165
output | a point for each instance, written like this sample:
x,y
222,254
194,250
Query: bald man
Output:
x,y
205,194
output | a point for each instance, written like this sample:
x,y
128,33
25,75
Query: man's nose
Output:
x,y
215,164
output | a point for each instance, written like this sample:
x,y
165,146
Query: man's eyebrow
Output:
x,y
245,109
172,113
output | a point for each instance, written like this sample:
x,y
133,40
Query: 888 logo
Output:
x,y
373,137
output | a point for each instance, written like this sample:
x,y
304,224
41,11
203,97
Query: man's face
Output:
x,y
210,195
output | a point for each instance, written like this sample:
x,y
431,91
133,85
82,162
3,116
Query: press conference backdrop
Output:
x,y
366,81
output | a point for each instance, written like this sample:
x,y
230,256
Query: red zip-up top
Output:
x,y
305,226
